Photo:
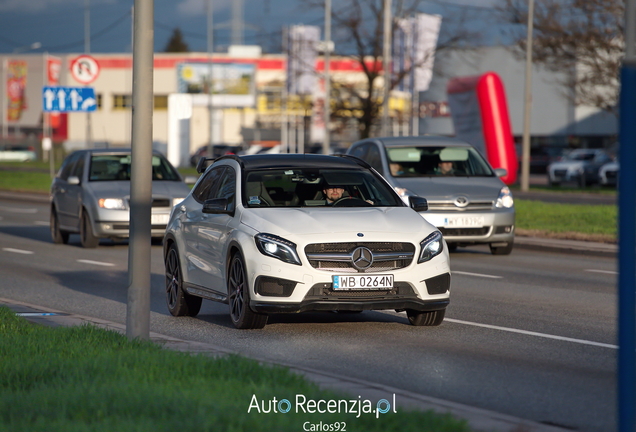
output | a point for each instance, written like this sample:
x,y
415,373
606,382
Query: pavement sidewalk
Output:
x,y
479,420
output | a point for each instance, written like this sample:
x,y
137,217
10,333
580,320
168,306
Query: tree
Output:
x,y
176,43
581,38
359,35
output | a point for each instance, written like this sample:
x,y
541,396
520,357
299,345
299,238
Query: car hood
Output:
x,y
567,165
398,221
115,189
444,188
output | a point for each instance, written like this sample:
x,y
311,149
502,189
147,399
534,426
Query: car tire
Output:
x,y
87,238
239,297
179,302
57,235
430,318
502,250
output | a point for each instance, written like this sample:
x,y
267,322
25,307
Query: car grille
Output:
x,y
161,202
450,206
464,232
610,175
560,173
325,291
337,257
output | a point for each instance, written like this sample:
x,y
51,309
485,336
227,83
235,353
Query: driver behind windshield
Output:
x,y
333,193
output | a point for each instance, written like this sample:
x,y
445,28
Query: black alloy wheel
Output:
x,y
239,298
178,301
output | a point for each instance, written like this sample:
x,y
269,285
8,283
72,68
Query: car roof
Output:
x,y
261,161
114,150
422,141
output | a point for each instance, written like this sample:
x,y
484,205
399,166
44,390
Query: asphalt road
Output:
x,y
531,335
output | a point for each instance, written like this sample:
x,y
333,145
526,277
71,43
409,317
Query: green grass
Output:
x,y
593,220
70,379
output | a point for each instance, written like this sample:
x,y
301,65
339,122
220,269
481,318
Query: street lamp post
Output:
x,y
525,146
386,61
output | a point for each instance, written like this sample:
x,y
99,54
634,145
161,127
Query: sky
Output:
x,y
59,25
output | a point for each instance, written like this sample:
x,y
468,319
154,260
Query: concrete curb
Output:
x,y
479,420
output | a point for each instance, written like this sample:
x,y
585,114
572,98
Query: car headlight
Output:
x,y
176,201
431,246
112,203
504,200
277,247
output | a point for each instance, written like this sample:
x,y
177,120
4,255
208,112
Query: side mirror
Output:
x,y
501,172
73,180
190,179
217,206
418,204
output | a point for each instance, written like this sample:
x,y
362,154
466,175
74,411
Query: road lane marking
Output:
x,y
18,251
477,274
18,210
99,263
42,223
32,314
601,271
531,333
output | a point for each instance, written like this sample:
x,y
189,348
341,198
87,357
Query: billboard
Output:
x,y
302,50
230,84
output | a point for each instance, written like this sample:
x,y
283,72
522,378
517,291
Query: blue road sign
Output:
x,y
68,99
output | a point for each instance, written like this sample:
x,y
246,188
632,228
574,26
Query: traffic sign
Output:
x,y
68,99
85,69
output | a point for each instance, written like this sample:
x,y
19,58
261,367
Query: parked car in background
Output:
x,y
90,195
258,234
580,167
17,153
608,174
469,204
218,150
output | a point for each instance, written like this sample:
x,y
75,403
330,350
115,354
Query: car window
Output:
x,y
69,164
208,184
303,187
111,167
435,161
374,158
359,151
78,167
227,187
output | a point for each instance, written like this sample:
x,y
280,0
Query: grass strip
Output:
x,y
596,222
69,379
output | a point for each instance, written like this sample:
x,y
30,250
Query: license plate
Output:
x,y
367,282
159,219
464,222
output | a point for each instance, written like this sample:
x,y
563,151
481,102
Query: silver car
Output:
x,y
608,174
580,167
467,201
90,196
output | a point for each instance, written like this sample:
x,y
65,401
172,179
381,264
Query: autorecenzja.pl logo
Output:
x,y
302,405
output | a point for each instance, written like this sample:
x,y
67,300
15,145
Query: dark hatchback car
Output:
x,y
90,196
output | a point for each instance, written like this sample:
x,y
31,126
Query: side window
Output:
x,y
374,159
207,186
227,188
360,151
78,169
69,165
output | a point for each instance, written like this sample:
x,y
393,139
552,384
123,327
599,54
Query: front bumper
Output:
x,y
116,223
497,227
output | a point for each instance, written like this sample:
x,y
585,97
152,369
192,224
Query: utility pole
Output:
x,y
386,61
525,146
326,143
210,28
87,50
138,311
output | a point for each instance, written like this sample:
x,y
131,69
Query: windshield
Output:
x,y
109,167
437,161
311,187
580,156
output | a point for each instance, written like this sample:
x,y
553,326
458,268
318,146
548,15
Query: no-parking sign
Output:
x,y
85,69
